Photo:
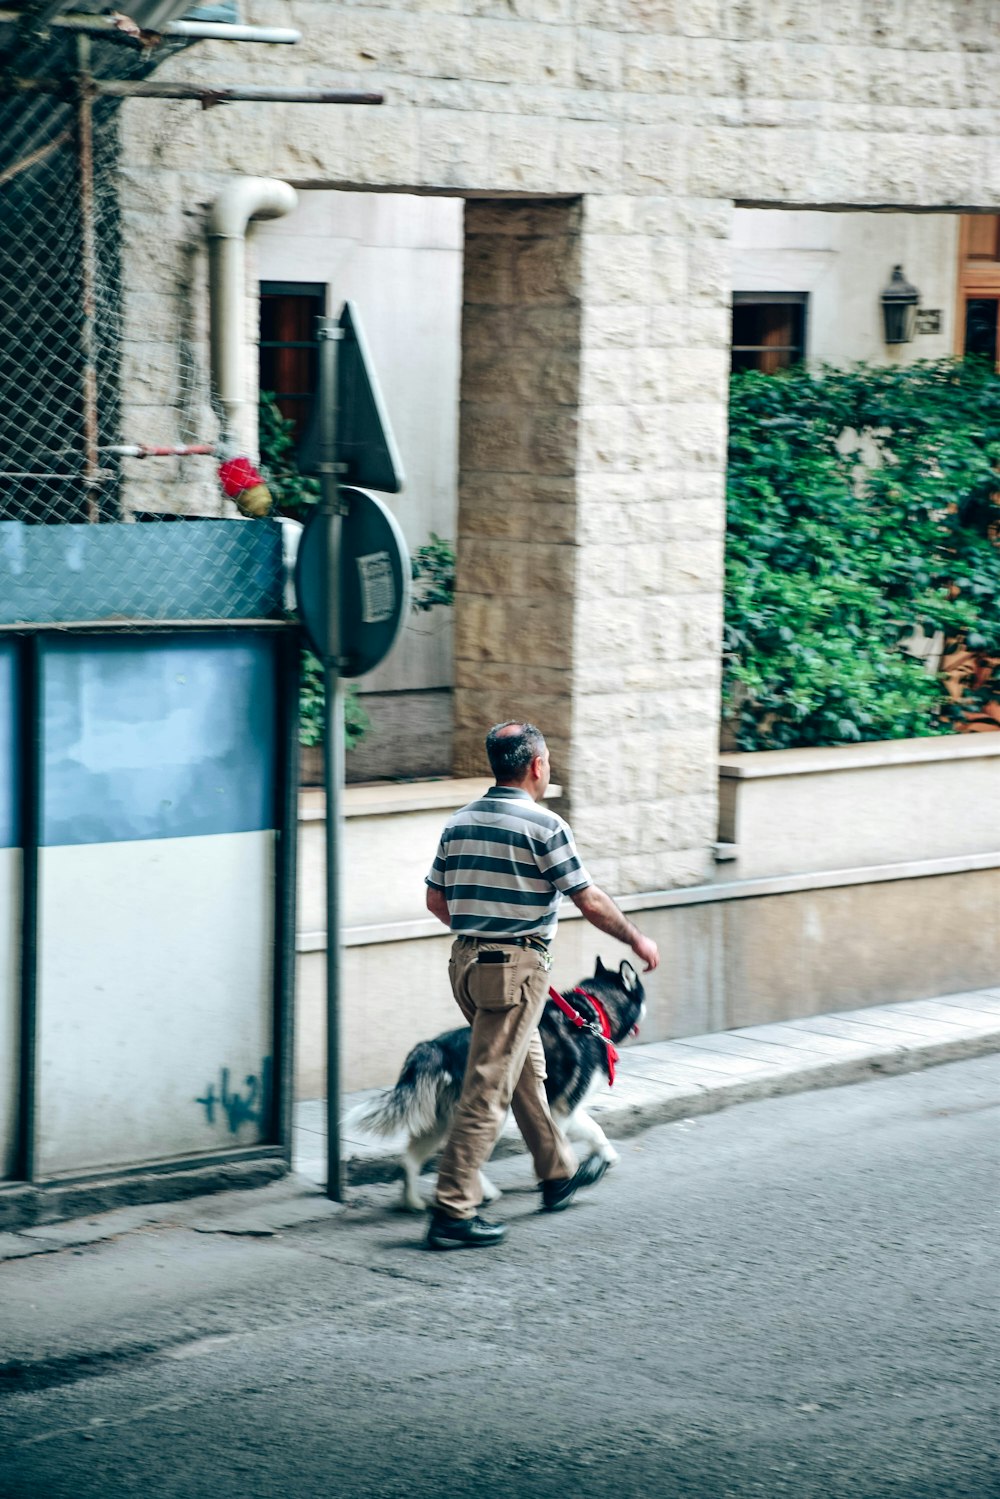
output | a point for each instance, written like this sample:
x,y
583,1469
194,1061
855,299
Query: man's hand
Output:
x,y
647,951
601,911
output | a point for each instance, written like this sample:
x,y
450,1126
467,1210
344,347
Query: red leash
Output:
x,y
601,1027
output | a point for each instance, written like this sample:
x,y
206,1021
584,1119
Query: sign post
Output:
x,y
352,581
333,738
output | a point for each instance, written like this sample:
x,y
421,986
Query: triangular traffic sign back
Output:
x,y
365,443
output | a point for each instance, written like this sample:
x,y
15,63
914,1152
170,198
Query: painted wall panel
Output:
x,y
10,903
149,739
155,998
10,768
10,969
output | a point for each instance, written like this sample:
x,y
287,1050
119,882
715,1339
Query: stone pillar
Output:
x,y
514,651
592,513
650,485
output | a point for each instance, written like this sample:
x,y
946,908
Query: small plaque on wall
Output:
x,y
929,320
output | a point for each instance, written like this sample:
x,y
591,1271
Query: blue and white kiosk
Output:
x,y
148,784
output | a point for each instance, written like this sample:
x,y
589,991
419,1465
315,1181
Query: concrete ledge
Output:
x,y
770,765
387,798
746,958
690,895
25,1207
895,801
390,836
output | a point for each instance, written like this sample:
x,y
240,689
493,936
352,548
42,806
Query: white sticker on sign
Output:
x,y
378,590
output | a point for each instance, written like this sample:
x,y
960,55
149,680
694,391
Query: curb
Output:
x,y
24,1207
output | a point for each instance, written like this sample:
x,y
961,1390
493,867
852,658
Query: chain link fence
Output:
x,y
70,488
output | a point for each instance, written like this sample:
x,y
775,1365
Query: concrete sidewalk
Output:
x,y
658,1083
669,1080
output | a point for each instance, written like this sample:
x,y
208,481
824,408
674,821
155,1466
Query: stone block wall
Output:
x,y
517,544
594,396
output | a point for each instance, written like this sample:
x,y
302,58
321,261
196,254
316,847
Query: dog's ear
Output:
x,y
629,977
600,971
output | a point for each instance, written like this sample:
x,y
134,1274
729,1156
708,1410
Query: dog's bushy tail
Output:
x,y
420,1099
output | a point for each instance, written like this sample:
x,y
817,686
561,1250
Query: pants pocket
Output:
x,y
494,986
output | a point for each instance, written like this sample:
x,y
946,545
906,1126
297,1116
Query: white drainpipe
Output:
x,y
244,198
117,26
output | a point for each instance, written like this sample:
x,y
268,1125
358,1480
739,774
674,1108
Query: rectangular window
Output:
x,y
981,327
289,358
769,330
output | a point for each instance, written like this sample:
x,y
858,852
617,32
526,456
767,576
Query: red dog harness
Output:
x,y
601,1027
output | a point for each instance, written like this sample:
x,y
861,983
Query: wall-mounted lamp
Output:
x,y
899,308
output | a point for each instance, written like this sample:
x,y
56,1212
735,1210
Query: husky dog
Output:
x,y
576,1065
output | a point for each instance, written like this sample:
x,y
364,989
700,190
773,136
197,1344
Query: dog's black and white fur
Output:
x,y
424,1098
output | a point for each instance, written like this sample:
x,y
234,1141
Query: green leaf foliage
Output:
x,y
356,721
861,504
293,493
433,566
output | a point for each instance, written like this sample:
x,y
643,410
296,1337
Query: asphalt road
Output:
x,y
792,1298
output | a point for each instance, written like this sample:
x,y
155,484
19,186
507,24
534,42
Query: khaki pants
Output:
x,y
503,1002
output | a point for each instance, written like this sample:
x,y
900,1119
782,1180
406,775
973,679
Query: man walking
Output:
x,y
502,865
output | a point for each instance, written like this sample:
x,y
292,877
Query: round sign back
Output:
x,y
373,585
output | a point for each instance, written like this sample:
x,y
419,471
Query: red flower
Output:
x,y
237,475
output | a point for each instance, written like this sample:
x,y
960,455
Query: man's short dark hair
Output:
x,y
511,747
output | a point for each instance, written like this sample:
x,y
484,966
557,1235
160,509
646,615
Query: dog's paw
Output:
x,y
412,1203
609,1153
491,1193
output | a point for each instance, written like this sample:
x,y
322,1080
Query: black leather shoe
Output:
x,y
558,1194
463,1233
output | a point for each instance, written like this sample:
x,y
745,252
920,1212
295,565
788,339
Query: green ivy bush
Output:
x,y
356,721
861,511
293,493
433,568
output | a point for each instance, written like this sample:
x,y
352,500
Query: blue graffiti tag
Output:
x,y
253,1108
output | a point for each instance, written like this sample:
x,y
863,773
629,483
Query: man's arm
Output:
x,y
437,905
601,911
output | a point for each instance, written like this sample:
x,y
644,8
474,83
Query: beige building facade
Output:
x,y
603,152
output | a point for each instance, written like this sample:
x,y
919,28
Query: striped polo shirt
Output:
x,y
503,864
